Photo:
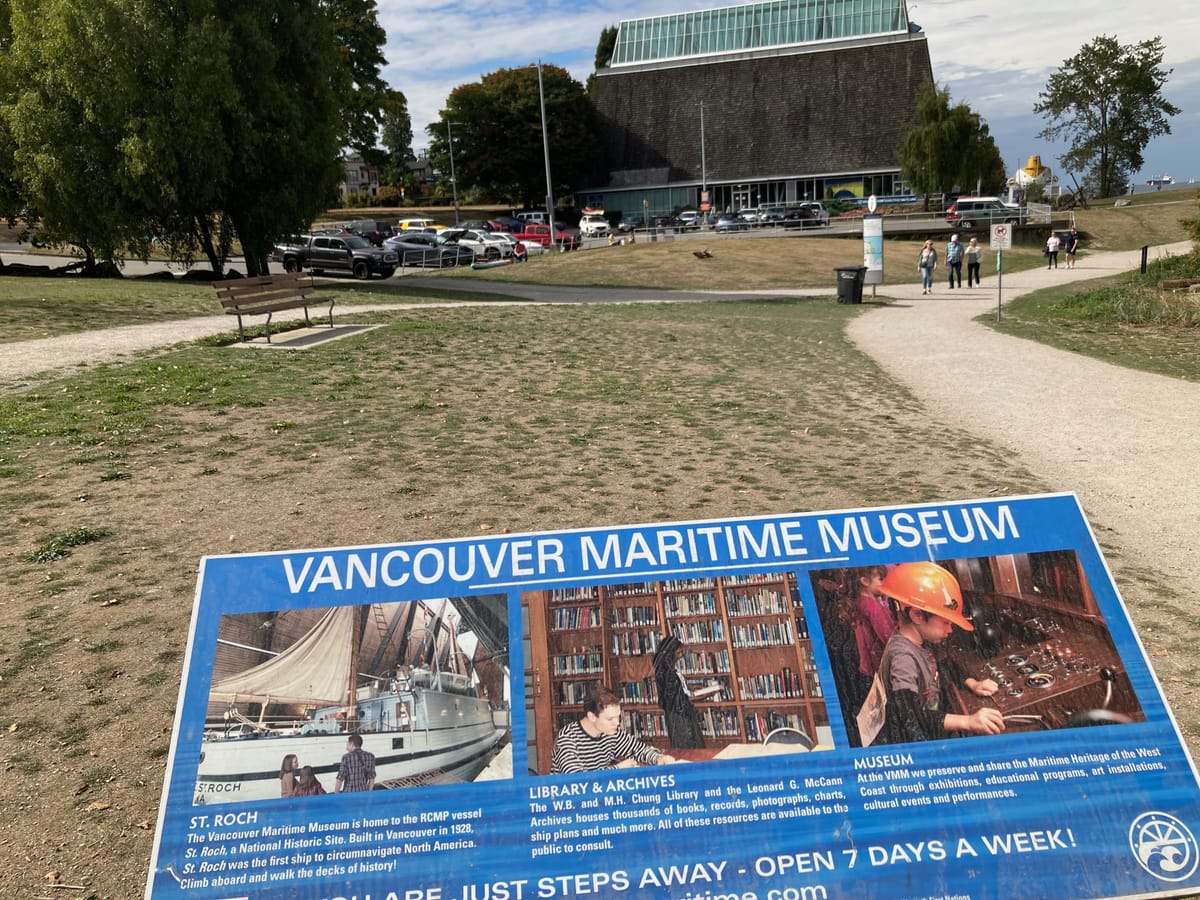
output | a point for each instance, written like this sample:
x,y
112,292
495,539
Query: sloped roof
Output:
x,y
810,113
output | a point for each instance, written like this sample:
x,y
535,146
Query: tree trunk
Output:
x,y
204,234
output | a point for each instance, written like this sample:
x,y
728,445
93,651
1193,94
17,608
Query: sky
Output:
x,y
995,57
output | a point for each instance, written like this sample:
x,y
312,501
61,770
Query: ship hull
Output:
x,y
453,743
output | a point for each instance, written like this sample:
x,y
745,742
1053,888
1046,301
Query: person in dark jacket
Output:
x,y
683,722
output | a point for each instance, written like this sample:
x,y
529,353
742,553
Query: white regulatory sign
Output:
x,y
1001,237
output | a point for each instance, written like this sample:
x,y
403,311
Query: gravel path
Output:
x,y
1116,437
1124,441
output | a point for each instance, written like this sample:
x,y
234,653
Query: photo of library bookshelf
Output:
x,y
746,661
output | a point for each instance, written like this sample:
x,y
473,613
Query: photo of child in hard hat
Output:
x,y
912,674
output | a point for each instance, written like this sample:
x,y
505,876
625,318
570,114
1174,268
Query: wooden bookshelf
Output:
x,y
747,635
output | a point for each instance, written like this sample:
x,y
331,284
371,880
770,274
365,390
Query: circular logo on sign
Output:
x,y
1001,231
1163,846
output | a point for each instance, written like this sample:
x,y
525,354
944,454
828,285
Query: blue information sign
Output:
x,y
942,700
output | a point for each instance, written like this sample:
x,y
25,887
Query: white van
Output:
x,y
537,216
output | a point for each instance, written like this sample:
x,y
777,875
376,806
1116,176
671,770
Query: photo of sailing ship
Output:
x,y
424,683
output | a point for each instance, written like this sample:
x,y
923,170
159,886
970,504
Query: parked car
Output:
x,y
492,225
690,219
800,217
817,208
966,212
422,248
627,225
771,215
531,249
594,224
749,215
534,216
536,233
485,244
664,222
419,225
337,252
508,223
374,230
728,222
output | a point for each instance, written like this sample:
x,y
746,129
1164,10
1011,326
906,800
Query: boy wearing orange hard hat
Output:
x,y
929,606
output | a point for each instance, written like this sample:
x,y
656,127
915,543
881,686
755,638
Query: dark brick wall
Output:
x,y
803,114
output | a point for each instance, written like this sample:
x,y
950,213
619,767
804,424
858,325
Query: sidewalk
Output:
x,y
1124,441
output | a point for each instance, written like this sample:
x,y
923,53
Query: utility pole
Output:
x,y
546,151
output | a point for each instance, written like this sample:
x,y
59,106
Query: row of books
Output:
x,y
703,662
635,643
720,723
763,602
574,595
690,604
760,724
710,631
638,692
785,684
588,661
570,617
573,692
763,634
631,616
646,725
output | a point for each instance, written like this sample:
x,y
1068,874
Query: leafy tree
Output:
x,y
497,126
948,147
194,121
396,138
1107,101
361,88
284,124
606,46
11,195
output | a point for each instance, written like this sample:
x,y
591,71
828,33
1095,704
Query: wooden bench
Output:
x,y
268,294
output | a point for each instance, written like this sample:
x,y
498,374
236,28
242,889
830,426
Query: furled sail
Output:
x,y
315,669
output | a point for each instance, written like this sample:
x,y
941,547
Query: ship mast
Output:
x,y
351,720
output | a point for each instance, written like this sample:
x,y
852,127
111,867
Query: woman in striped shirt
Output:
x,y
596,741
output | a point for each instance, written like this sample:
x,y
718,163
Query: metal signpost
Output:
x,y
1001,241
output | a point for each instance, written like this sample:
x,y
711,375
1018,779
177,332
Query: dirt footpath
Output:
x,y
1124,441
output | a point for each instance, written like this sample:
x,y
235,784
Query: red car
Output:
x,y
535,233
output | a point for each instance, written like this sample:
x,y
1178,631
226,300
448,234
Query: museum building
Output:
x,y
758,104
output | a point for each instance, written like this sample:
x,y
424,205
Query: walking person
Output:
x,y
954,254
1070,245
925,265
1052,244
974,256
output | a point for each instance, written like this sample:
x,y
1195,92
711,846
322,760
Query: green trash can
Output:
x,y
850,283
